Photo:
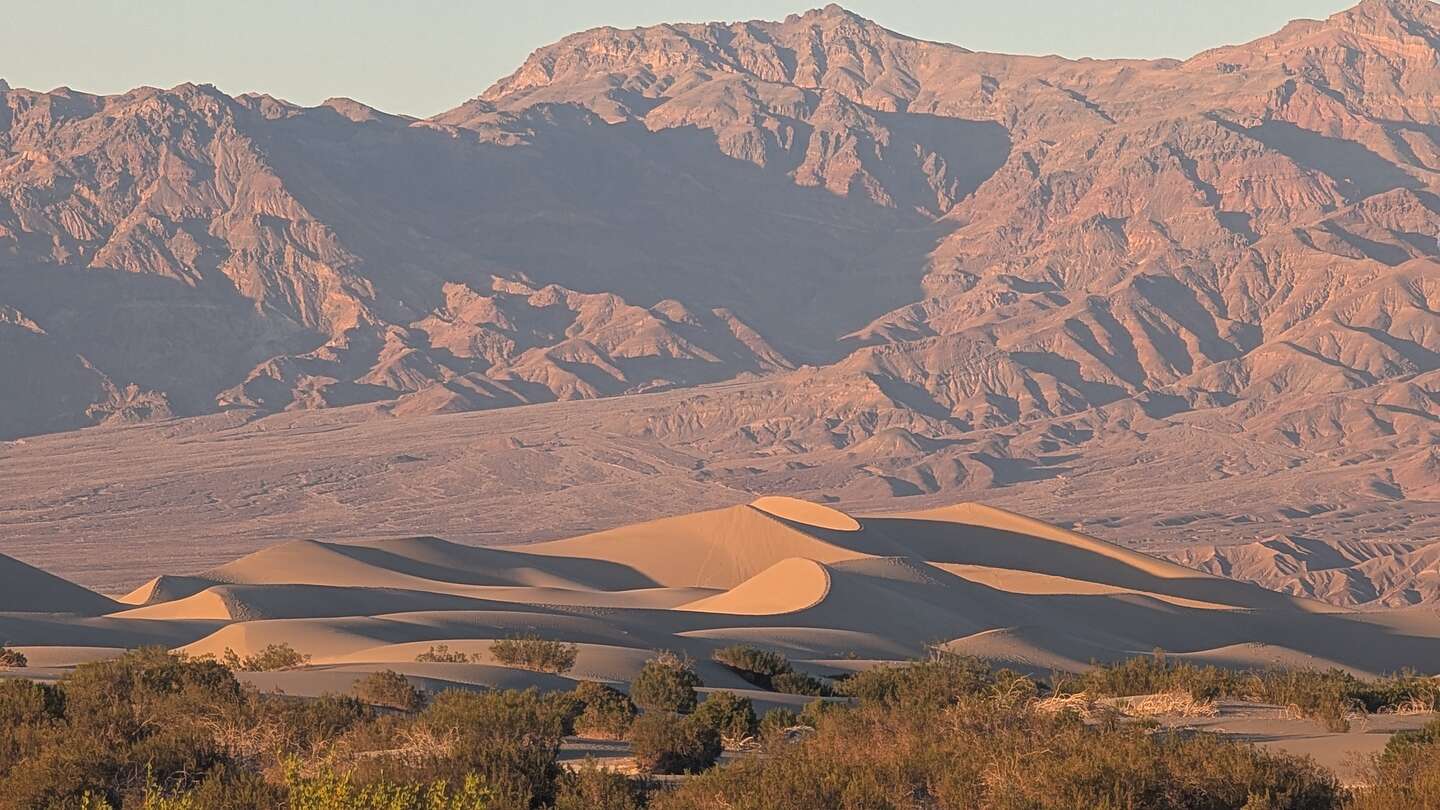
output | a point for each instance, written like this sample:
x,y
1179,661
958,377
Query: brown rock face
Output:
x,y
923,242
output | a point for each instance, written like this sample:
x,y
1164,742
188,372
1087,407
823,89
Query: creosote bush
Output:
x,y
732,716
798,683
389,689
774,723
535,653
666,683
441,654
605,712
662,742
272,658
12,659
752,663
590,788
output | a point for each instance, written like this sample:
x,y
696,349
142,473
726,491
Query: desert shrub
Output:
x,y
667,743
30,713
798,683
1401,743
441,654
23,701
774,723
934,683
273,658
535,653
816,710
666,683
304,727
979,751
510,739
732,716
1153,674
146,712
752,663
605,712
12,658
1404,774
1329,696
591,788
390,689
329,790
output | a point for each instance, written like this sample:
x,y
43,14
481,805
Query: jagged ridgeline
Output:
x,y
962,238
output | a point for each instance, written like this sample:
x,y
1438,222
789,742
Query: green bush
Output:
x,y
591,788
272,658
816,710
606,712
775,722
662,742
389,689
752,663
336,791
510,739
666,683
300,726
935,683
441,654
12,659
535,653
732,716
1404,774
798,683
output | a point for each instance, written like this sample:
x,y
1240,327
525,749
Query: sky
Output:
x,y
425,56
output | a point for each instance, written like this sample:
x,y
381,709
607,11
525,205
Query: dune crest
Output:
x,y
810,514
788,586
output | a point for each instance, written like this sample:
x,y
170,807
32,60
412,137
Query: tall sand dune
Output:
x,y
25,588
802,578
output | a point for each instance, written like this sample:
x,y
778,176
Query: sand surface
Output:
x,y
800,577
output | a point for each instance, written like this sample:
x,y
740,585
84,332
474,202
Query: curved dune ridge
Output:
x,y
786,587
810,514
805,579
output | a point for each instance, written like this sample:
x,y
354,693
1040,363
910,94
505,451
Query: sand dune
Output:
x,y
806,579
785,587
27,588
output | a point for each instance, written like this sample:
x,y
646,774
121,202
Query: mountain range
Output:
x,y
934,269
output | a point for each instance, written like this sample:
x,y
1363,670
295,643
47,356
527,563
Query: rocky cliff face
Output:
x,y
948,241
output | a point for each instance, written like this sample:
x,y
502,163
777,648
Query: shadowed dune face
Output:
x,y
26,588
804,578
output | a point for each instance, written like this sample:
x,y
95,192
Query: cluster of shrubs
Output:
x,y
941,734
272,658
769,670
535,653
159,731
12,659
1330,696
524,651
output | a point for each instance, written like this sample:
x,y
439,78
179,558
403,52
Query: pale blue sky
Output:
x,y
425,56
